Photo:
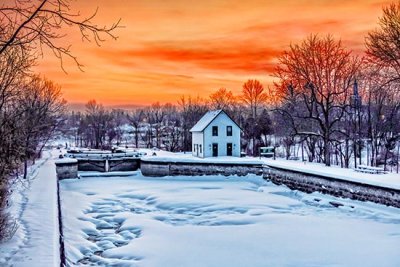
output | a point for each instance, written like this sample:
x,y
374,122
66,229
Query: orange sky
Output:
x,y
170,48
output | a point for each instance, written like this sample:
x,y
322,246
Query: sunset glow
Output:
x,y
170,48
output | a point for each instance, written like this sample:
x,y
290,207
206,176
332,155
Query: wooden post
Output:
x,y
397,162
60,228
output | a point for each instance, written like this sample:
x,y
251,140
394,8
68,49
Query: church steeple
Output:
x,y
355,98
355,88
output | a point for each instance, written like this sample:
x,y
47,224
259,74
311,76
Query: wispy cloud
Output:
x,y
244,57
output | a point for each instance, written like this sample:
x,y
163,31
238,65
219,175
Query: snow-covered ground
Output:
x,y
389,180
221,221
34,205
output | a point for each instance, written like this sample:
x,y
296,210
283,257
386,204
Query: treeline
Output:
x,y
168,126
343,108
30,111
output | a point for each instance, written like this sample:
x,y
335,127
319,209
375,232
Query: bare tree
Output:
x,y
98,121
383,44
30,112
119,119
135,118
38,23
13,66
172,128
222,99
157,113
29,105
192,109
315,77
383,49
41,106
253,95
382,109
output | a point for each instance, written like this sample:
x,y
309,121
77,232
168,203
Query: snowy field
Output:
x,y
219,221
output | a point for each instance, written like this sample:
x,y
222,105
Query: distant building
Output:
x,y
216,134
355,98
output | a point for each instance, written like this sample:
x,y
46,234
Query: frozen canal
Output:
x,y
219,221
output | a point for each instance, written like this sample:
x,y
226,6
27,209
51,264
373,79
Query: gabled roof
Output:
x,y
207,119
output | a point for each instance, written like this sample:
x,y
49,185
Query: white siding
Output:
x,y
197,139
222,120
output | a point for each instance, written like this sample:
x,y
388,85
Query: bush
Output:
x,y
8,225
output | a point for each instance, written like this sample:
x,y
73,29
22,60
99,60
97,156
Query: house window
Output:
x,y
215,130
200,149
228,130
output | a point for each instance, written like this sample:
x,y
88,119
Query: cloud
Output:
x,y
244,56
169,48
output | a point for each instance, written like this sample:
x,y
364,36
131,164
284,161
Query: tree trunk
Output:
x,y
327,154
25,168
347,154
384,164
136,138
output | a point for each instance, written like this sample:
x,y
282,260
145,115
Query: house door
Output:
x,y
229,149
215,150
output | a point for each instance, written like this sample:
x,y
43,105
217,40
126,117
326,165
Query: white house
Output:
x,y
215,134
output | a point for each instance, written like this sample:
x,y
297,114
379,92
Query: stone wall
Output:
x,y
123,164
335,187
154,168
67,170
98,165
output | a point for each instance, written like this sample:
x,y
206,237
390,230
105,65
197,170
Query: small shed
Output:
x,y
216,134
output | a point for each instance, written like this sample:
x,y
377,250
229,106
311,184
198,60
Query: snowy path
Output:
x,y
36,240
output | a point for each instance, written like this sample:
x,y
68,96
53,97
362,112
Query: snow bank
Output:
x,y
107,174
65,160
34,205
389,180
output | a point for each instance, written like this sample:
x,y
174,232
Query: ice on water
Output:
x,y
221,221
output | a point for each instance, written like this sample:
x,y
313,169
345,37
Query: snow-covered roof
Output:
x,y
205,120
